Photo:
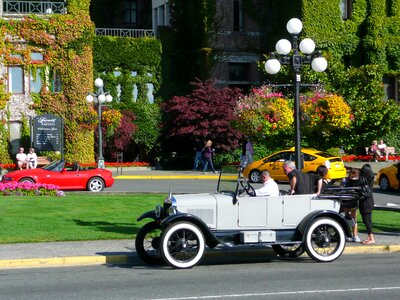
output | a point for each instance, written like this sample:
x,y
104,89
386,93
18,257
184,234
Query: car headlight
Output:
x,y
158,211
172,210
6,178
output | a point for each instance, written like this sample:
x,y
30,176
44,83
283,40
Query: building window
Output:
x,y
36,56
391,88
130,10
238,15
56,84
35,82
346,7
239,72
16,79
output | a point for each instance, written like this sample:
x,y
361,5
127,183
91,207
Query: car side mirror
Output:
x,y
63,170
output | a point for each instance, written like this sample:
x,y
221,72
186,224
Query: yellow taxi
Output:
x,y
312,159
387,177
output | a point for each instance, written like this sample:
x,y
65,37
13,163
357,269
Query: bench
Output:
x,y
43,160
390,150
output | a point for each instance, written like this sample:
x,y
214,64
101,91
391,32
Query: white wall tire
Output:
x,y
182,245
324,240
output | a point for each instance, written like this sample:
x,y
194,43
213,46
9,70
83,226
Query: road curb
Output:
x,y
65,261
130,258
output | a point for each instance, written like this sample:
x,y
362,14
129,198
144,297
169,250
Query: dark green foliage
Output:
x,y
115,59
186,52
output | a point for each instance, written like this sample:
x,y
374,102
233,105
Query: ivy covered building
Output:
x,y
50,53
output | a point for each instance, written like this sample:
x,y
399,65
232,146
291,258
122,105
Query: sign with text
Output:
x,y
47,133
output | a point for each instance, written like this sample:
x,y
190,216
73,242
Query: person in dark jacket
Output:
x,y
300,183
367,205
350,207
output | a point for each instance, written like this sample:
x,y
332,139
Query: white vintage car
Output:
x,y
233,216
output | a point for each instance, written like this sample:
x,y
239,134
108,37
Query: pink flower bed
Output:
x,y
29,189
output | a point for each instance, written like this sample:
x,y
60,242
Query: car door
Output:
x,y
274,164
66,179
252,211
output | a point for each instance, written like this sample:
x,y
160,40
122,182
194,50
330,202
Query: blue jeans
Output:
x,y
208,161
197,160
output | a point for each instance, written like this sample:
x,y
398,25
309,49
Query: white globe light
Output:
x,y
98,82
283,47
294,26
109,98
319,64
307,46
89,98
272,66
102,98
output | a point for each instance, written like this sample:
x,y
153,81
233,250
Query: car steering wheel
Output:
x,y
248,188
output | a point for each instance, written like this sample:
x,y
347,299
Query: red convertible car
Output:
x,y
74,177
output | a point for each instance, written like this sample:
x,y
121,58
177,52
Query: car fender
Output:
x,y
305,223
148,215
211,239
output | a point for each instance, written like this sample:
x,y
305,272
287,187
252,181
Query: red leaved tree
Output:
x,y
207,113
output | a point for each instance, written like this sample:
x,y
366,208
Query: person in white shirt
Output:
x,y
383,150
269,188
21,159
31,159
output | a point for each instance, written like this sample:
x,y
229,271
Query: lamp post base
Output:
x,y
100,164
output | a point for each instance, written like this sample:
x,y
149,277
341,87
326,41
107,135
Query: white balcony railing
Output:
x,y
33,7
133,33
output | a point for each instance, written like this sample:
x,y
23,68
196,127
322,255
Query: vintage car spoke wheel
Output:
x,y
95,184
182,245
255,176
27,180
293,250
324,240
147,243
384,183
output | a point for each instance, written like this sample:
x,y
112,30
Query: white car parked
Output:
x,y
233,216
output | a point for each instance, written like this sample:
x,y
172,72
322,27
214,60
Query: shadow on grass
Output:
x,y
122,228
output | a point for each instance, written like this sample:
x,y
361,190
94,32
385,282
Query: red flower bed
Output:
x,y
349,158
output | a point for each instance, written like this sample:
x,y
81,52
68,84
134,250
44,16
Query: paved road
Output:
x,y
234,277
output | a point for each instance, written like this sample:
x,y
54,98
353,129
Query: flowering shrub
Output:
x,y
325,112
111,118
89,119
29,189
263,112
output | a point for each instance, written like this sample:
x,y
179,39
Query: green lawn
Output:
x,y
80,216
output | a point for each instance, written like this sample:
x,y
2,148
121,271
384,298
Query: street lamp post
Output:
x,y
99,98
288,54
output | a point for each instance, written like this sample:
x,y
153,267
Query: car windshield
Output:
x,y
55,166
228,179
